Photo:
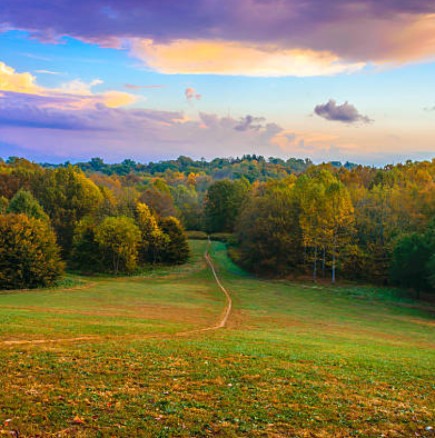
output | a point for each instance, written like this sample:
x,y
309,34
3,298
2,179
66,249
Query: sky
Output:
x,y
349,80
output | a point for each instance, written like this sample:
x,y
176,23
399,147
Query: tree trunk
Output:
x,y
323,262
315,265
333,266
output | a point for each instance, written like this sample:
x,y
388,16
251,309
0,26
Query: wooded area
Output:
x,y
287,218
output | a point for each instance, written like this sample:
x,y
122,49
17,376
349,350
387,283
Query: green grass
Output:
x,y
295,360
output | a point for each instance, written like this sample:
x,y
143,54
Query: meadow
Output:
x,y
128,356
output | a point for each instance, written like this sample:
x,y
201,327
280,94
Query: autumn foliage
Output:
x,y
29,255
284,218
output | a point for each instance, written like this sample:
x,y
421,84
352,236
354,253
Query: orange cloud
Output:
x,y
235,58
25,83
10,80
415,41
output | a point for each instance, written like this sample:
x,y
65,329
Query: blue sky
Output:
x,y
197,90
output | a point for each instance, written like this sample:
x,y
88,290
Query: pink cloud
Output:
x,y
190,94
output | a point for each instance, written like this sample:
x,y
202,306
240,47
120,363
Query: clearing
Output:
x,y
137,357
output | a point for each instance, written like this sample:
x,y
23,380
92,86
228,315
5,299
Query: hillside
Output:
x,y
127,357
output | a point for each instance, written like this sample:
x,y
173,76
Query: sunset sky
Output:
x,y
154,79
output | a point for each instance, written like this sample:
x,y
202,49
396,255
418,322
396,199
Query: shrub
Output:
x,y
196,235
29,255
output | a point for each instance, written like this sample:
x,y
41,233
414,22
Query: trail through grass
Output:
x,y
293,360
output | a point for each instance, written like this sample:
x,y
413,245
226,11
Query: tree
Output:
x,y
159,199
312,218
187,202
430,269
86,254
153,240
222,204
29,255
339,221
268,229
24,202
67,196
410,262
118,238
177,249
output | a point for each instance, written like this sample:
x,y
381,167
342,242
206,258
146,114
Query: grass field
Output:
x,y
125,357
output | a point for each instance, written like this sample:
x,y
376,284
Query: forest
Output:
x,y
284,219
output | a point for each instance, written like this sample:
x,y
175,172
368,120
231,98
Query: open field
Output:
x,y
125,357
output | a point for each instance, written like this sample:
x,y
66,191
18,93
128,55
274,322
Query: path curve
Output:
x,y
219,325
226,313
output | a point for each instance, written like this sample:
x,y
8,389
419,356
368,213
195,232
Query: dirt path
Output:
x,y
229,302
219,325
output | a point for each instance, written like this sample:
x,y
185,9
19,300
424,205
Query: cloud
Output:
x,y
50,128
250,122
345,113
190,94
429,109
40,124
30,111
10,80
48,72
352,31
138,87
75,93
233,58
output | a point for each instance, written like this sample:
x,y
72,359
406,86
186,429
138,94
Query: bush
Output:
x,y
228,238
29,255
196,235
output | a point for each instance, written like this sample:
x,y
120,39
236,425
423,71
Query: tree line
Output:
x,y
365,224
286,218
53,218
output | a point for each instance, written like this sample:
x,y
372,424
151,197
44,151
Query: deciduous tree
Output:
x,y
29,255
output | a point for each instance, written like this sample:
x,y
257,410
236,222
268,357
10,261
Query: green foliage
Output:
x,y
430,268
176,250
187,202
413,261
24,202
228,238
223,202
119,238
67,196
196,235
86,255
29,255
153,240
